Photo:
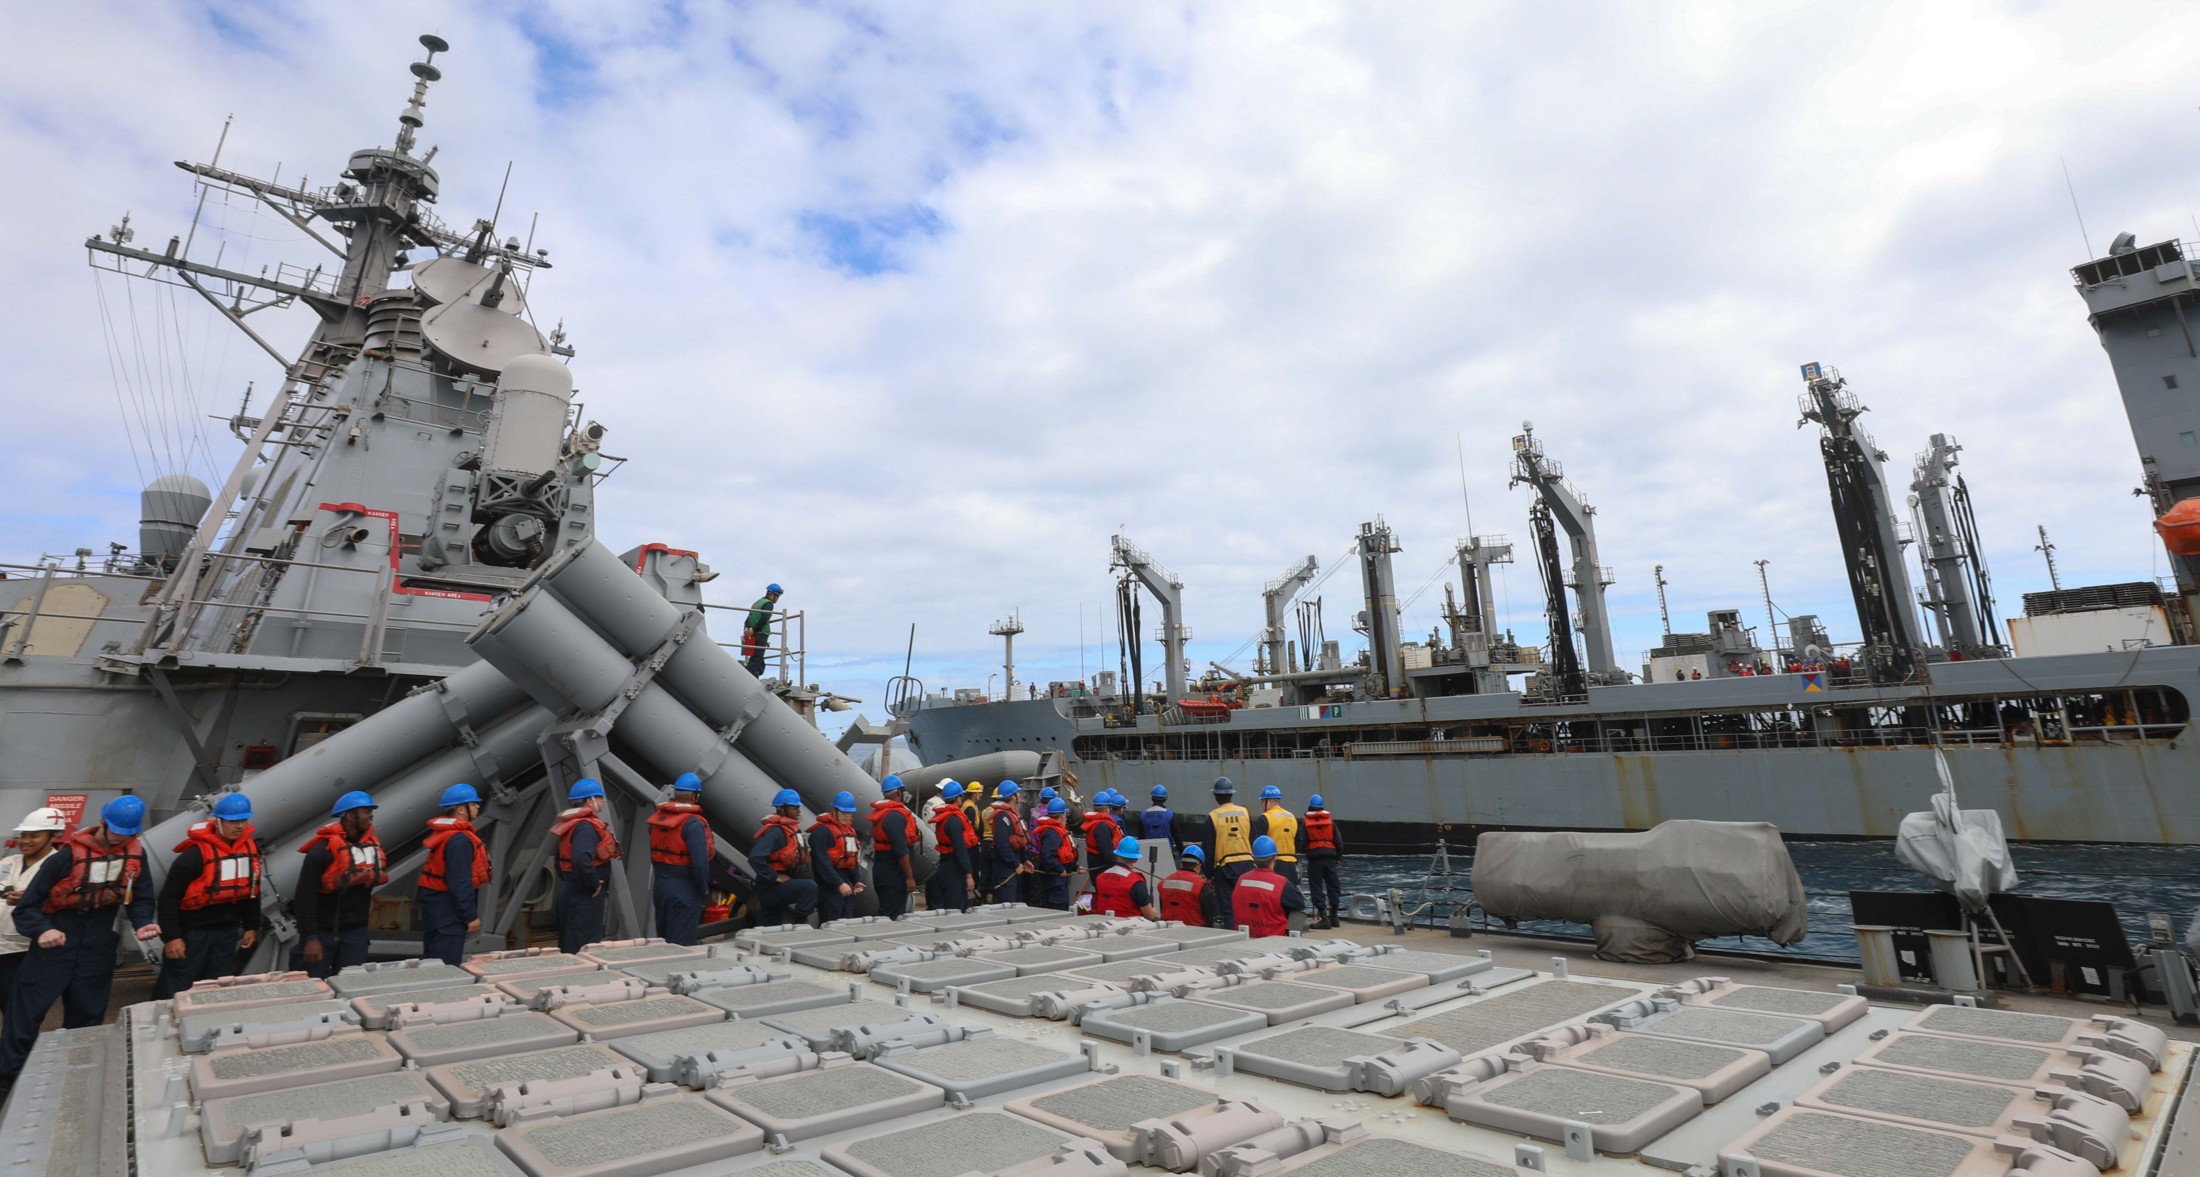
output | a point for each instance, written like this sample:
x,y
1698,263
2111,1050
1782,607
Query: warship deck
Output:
x,y
932,1094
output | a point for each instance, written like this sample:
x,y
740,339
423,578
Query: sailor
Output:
x,y
34,839
68,912
776,856
586,846
1005,854
973,807
756,631
209,902
1053,857
1035,808
1263,899
1121,889
1229,845
1186,896
1324,851
894,839
344,864
679,861
836,859
1282,825
457,868
1102,832
957,840
1156,823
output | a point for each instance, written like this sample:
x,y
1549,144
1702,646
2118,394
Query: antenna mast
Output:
x,y
1006,629
1772,626
1664,615
2046,547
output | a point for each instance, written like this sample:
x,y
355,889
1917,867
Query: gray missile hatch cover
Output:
x,y
827,1100
648,1015
1507,1016
1363,981
978,1067
196,1031
1173,1023
982,1142
222,1122
1279,1001
774,997
653,1136
817,1026
1042,959
1013,995
492,969
1106,1111
523,988
513,1032
659,1053
247,1071
398,975
1394,1158
467,1084
1310,1056
458,1158
213,997
1438,966
374,1008
924,976
1623,1114
1115,948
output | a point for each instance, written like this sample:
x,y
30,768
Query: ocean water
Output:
x,y
2137,879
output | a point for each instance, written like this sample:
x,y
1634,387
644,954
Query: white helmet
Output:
x,y
47,818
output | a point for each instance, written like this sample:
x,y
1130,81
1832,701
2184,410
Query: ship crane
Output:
x,y
1274,597
1958,592
1134,563
1589,577
1863,514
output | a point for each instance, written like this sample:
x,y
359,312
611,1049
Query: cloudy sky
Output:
x,y
911,307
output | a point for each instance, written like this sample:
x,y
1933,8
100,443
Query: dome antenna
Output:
x,y
423,72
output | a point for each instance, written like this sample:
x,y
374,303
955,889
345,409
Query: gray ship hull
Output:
x,y
1605,768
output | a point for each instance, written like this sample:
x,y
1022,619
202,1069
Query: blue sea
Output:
x,y
2137,879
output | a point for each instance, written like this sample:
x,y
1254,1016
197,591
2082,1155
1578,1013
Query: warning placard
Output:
x,y
71,806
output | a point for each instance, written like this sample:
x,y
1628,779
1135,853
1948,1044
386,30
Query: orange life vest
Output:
x,y
229,871
945,836
1101,835
846,853
883,812
350,864
1111,892
607,843
97,877
1065,852
668,832
794,853
1321,830
1181,895
1016,839
441,830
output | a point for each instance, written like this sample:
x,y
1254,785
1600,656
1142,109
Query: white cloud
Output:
x,y
1227,279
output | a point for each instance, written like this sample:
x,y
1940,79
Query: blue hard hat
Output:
x,y
688,783
951,790
892,783
350,801
773,588
786,797
233,807
124,815
1057,806
585,788
1195,854
1112,798
1271,793
1224,788
1007,789
459,795
1264,847
1127,848
1161,792
845,802
1314,802
1047,793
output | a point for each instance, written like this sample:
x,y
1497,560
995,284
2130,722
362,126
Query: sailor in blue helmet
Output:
x,y
1157,823
1053,857
453,876
957,841
586,848
1008,847
895,837
344,864
679,861
67,912
836,859
779,859
756,630
209,901
1230,834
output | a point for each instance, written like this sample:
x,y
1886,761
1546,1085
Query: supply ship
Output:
x,y
2069,720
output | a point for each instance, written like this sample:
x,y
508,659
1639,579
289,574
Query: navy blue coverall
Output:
x,y
1008,886
780,898
579,902
679,893
78,974
831,904
445,914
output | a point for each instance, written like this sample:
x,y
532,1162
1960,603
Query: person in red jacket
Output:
x,y
894,839
955,878
836,859
679,861
452,878
1053,857
586,846
1324,852
344,864
1102,831
1263,899
1186,896
1121,889
210,902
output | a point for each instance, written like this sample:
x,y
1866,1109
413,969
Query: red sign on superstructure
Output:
x,y
71,806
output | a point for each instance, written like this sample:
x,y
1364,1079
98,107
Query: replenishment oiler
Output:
x,y
2069,720
400,586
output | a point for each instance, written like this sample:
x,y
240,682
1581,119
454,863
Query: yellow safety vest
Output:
x,y
1283,826
1233,834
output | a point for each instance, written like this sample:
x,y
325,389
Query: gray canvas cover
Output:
x,y
1648,894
